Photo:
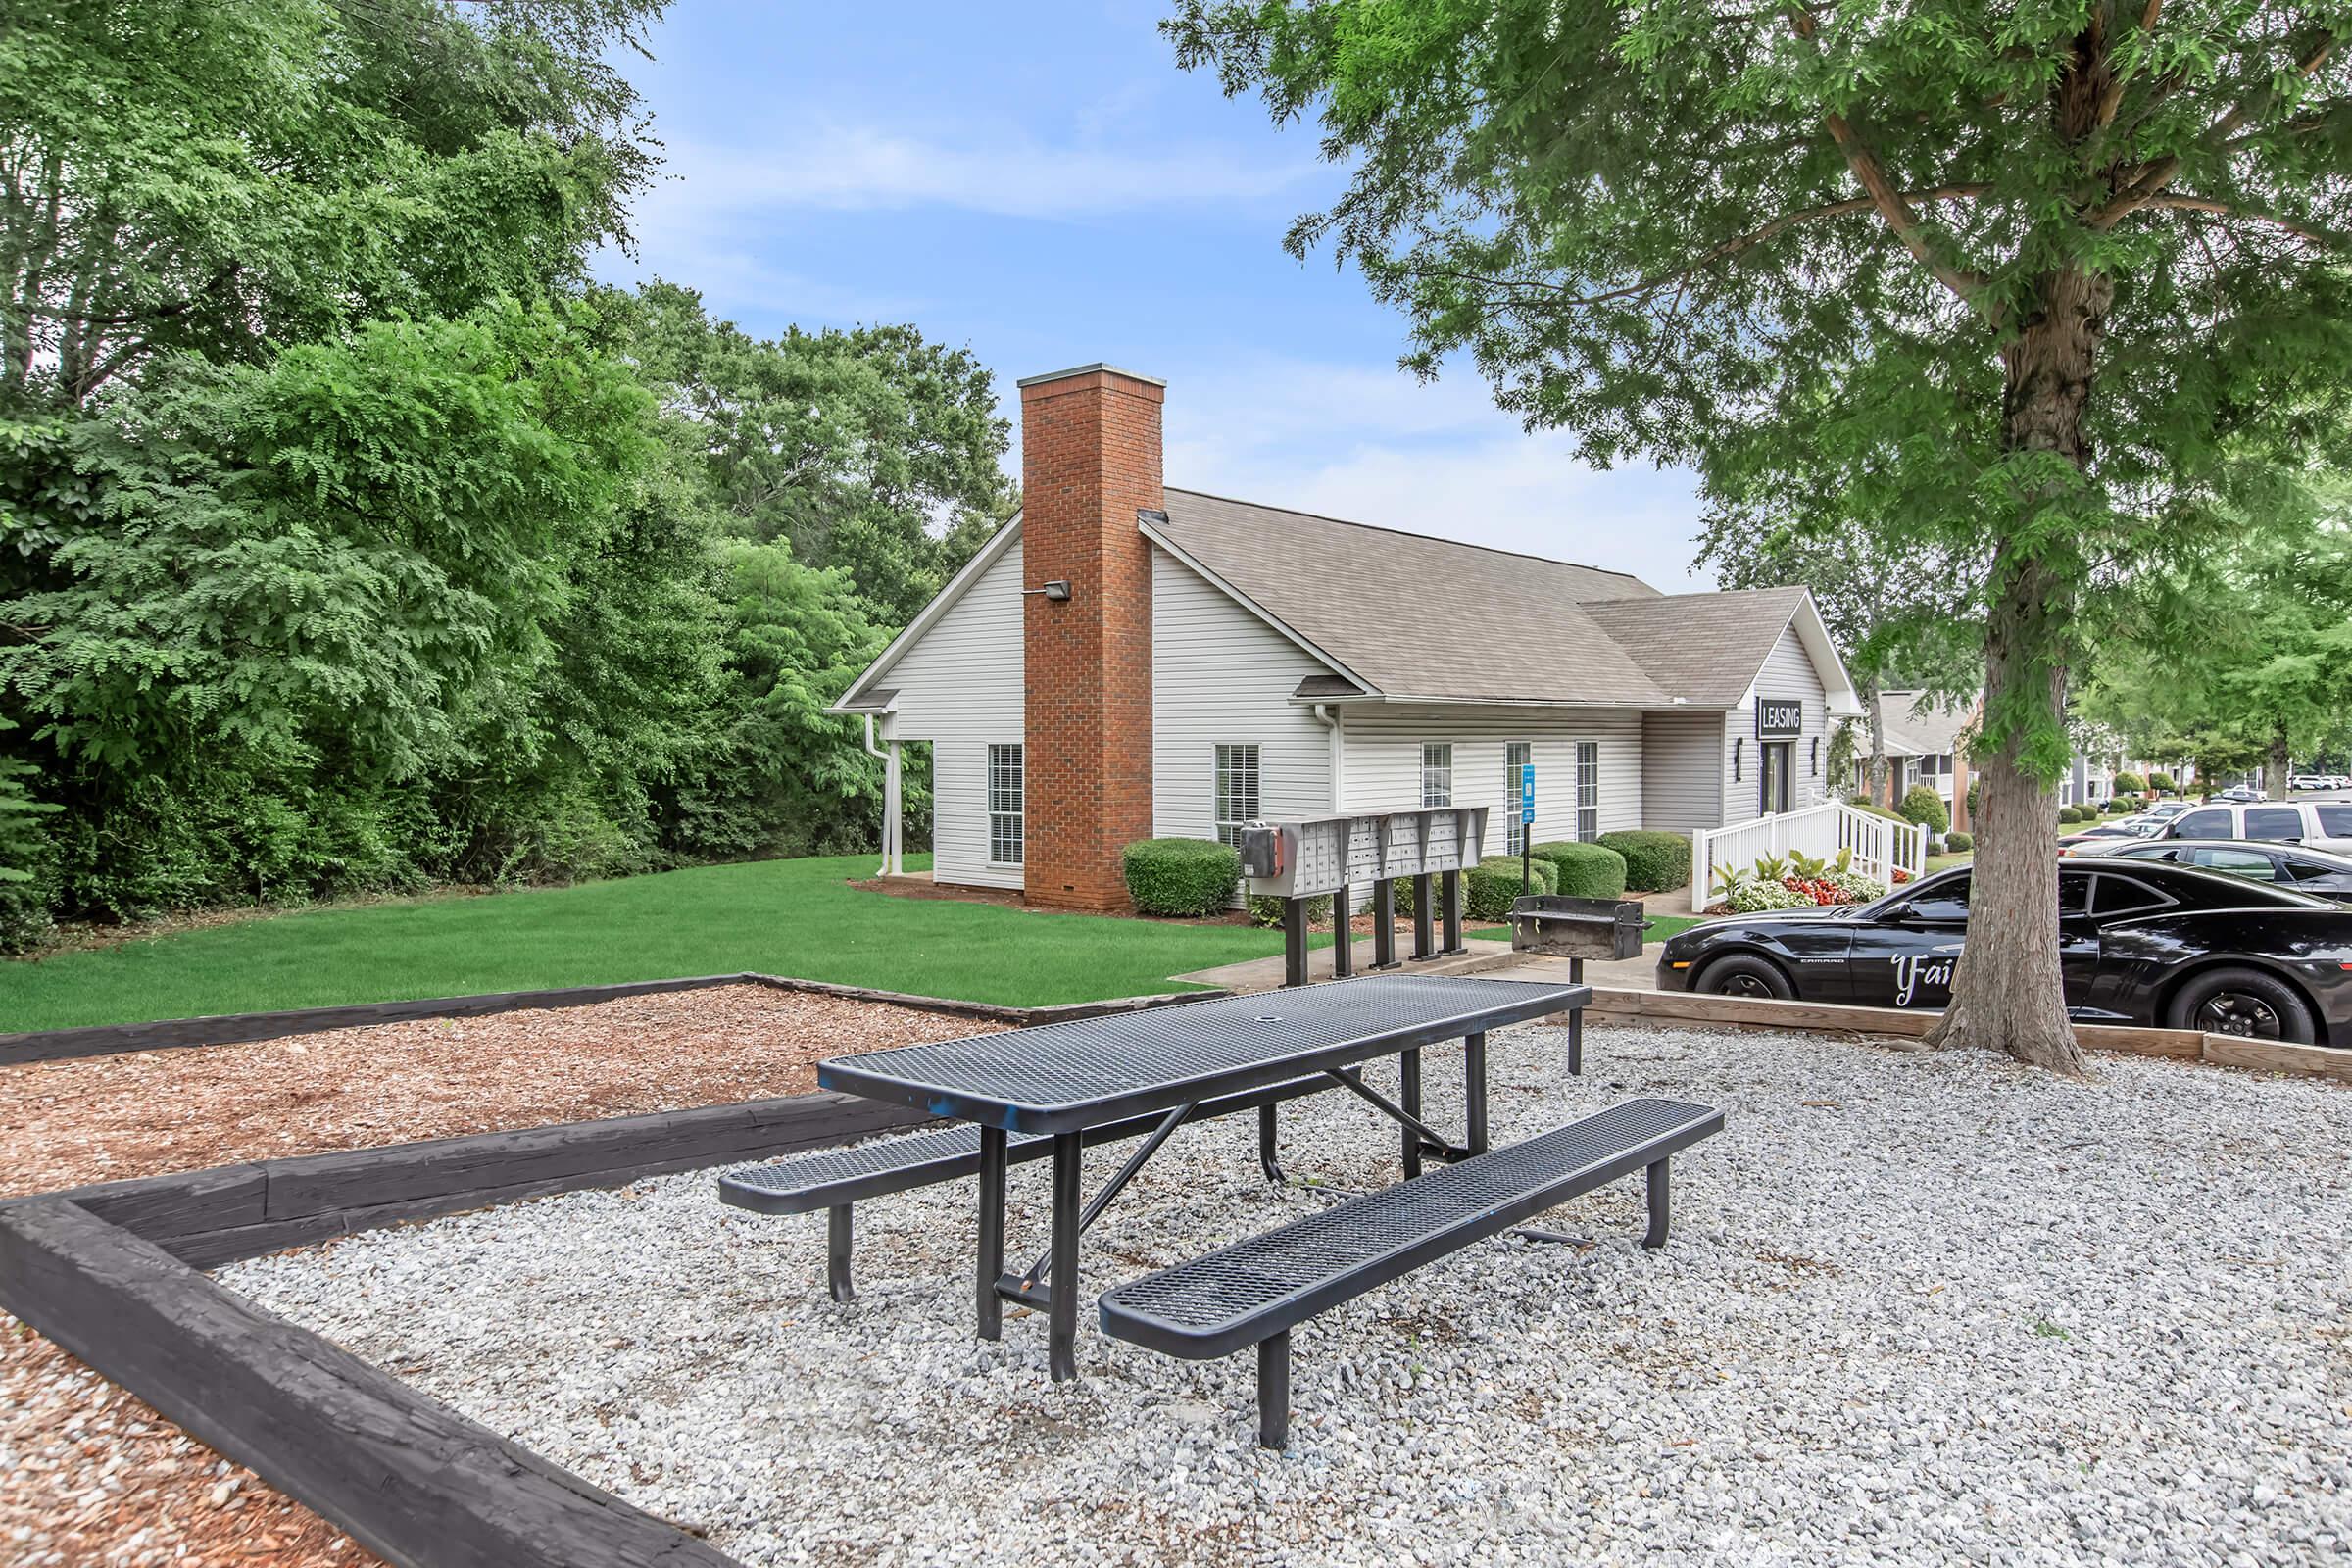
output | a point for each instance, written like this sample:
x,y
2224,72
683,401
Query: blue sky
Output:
x,y
1052,191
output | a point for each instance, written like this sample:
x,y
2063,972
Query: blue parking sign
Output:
x,y
1527,792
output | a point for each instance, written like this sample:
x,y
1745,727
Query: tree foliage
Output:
x,y
350,540
2060,290
217,179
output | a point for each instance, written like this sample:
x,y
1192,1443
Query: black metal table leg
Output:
x,y
1474,1090
837,1252
1661,1182
1408,1072
1343,933
1061,1315
1384,924
1575,1023
1424,913
992,1230
1268,1154
1274,1391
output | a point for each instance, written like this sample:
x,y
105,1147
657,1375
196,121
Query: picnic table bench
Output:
x,y
1050,1091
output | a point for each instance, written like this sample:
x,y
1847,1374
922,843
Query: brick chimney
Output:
x,y
1090,462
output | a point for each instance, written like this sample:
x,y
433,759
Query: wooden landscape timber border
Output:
x,y
111,1273
239,1028
1610,1005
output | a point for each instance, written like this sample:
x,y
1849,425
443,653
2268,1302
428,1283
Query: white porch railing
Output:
x,y
1878,845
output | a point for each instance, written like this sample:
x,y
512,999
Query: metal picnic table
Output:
x,y
1061,1080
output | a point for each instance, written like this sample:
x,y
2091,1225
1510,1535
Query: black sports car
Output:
x,y
2139,942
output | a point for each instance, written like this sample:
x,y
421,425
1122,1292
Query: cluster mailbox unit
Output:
x,y
1333,855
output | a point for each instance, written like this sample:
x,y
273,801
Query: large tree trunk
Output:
x,y
2008,993
2276,777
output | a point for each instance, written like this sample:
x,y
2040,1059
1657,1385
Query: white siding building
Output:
x,y
1301,665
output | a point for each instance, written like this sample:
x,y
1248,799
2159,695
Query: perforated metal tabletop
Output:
x,y
1065,1077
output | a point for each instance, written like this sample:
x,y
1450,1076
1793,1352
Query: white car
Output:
x,y
2320,824
2311,781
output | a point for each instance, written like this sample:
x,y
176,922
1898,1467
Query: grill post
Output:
x,y
1268,1155
837,1252
1274,1391
992,1230
1424,889
1384,924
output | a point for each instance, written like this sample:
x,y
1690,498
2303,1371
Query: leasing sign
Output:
x,y
1780,718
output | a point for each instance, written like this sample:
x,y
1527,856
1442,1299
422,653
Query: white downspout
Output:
x,y
893,858
1330,720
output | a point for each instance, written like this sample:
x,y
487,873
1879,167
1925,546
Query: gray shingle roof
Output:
x,y
1703,648
1417,617
1915,726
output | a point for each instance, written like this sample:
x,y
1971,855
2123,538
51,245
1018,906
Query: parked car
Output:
x,y
2236,792
2321,824
2320,872
2309,781
2122,827
2139,942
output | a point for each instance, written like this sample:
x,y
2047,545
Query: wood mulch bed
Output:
x,y
96,1477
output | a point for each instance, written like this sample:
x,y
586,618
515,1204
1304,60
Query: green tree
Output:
x,y
2067,281
2268,678
221,178
872,450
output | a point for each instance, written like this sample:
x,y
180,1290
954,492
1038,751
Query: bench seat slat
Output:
x,y
1217,1304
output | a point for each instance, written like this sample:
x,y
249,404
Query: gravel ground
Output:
x,y
1918,1309
96,1477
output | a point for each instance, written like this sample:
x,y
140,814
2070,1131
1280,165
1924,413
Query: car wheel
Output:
x,y
1743,974
2242,1001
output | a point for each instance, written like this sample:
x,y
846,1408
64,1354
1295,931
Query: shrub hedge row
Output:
x,y
1180,876
1584,870
1654,861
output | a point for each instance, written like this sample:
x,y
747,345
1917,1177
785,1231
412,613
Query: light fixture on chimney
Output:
x,y
1057,590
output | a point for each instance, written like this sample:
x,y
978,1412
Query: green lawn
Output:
x,y
1662,926
792,917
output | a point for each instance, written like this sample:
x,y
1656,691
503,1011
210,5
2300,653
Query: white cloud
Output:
x,y
1007,172
1371,444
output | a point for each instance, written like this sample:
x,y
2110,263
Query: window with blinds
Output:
x,y
1437,775
1515,756
1237,791
1587,790
1005,802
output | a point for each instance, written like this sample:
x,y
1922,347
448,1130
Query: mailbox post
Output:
x,y
1298,862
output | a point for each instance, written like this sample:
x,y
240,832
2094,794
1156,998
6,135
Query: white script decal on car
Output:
x,y
1912,969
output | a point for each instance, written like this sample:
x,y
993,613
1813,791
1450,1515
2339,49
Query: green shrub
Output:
x,y
1654,862
1584,870
1489,886
1266,910
1180,876
2129,783
1957,843
1863,803
2119,804
2162,783
1923,806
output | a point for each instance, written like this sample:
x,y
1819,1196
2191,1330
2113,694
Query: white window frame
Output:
x,y
1237,781
1515,754
1587,790
1005,790
1437,778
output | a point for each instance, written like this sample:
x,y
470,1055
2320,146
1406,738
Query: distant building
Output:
x,y
1125,659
